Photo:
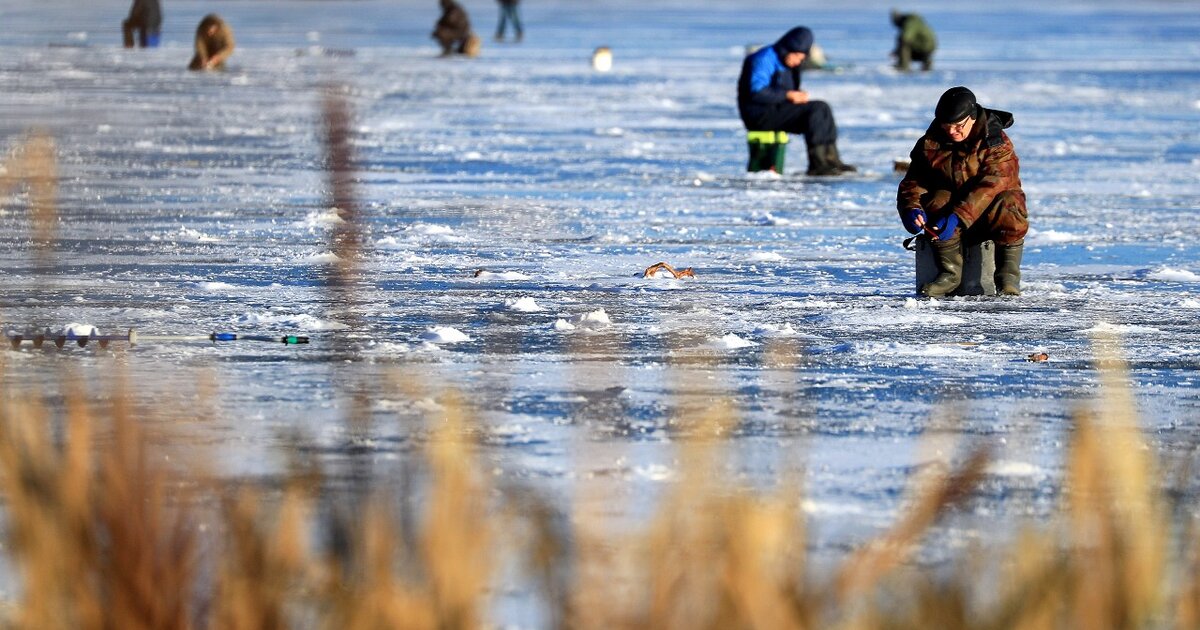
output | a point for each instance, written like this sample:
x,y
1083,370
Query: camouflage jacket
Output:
x,y
968,174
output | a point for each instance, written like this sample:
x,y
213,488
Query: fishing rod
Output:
x,y
132,337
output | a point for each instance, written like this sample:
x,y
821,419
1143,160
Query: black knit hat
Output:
x,y
956,104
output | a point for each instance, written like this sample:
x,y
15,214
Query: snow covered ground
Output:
x,y
198,202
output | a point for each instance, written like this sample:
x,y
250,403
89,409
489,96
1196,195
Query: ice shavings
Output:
x,y
444,335
1010,468
1128,329
765,257
321,219
1051,237
1168,274
729,342
773,330
523,305
214,286
320,259
500,275
594,319
289,320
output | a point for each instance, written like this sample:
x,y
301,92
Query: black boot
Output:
x,y
1008,268
837,159
821,160
949,257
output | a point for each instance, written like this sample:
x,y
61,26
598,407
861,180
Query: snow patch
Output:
x,y
444,334
290,320
320,259
1168,274
501,275
729,342
765,257
214,286
563,325
523,305
1009,468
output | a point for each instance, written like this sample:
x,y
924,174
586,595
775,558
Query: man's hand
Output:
x,y
914,219
946,225
797,97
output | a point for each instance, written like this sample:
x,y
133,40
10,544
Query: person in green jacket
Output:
x,y
915,42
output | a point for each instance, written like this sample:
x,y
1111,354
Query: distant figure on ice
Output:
x,y
508,11
964,184
145,17
453,31
770,99
914,42
214,44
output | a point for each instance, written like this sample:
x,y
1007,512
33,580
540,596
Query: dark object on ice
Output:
x,y
1038,357
768,150
770,99
60,339
965,166
453,31
686,272
214,44
915,41
145,17
975,264
509,12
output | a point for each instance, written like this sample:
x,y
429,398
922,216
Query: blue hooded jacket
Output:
x,y
765,81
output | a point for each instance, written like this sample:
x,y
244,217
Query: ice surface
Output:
x,y
192,203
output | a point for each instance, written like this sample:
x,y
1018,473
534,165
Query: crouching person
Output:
x,y
963,187
214,43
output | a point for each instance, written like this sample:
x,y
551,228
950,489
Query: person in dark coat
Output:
x,y
214,44
145,17
770,99
508,12
964,185
915,41
453,30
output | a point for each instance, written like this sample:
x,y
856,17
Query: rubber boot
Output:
x,y
1008,268
821,160
837,160
949,257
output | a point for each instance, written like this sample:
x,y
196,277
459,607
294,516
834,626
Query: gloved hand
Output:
x,y
909,218
945,226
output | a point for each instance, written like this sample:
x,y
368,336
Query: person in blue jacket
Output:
x,y
770,99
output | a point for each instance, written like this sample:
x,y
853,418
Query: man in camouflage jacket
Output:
x,y
963,184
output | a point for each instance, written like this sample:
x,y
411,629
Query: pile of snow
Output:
x,y
772,330
766,257
1167,274
523,305
563,325
444,334
290,320
214,286
320,259
500,275
595,319
321,219
729,342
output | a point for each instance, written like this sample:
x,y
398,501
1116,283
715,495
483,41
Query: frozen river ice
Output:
x,y
190,203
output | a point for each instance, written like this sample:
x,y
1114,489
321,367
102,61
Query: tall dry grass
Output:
x,y
103,536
